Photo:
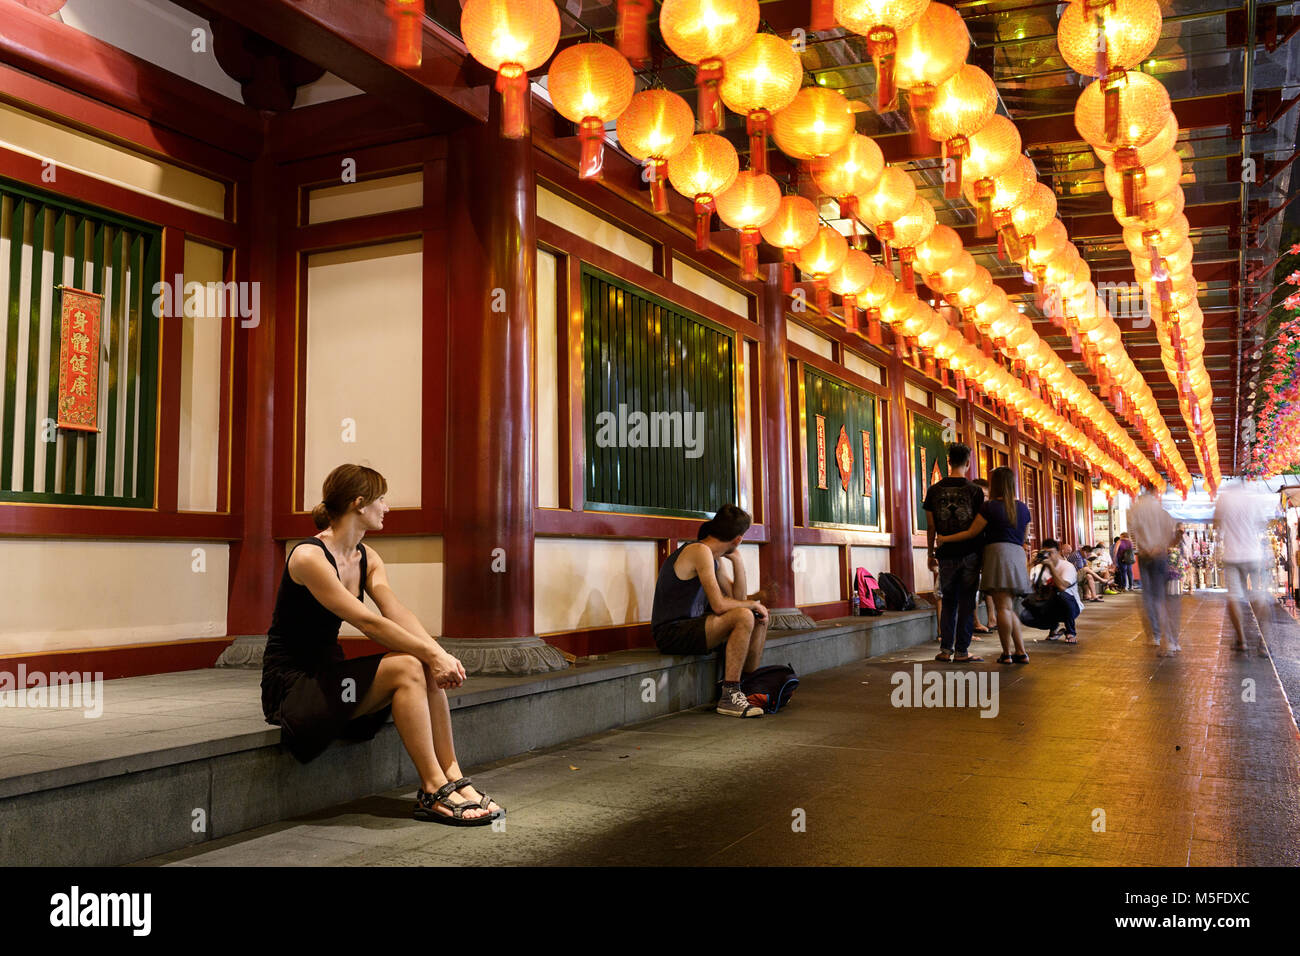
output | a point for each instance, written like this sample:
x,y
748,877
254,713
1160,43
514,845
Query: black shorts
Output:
x,y
683,636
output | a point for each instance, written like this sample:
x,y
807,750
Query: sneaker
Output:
x,y
734,703
1110,591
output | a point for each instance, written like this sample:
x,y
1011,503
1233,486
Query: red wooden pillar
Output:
x,y
775,558
255,558
491,302
900,479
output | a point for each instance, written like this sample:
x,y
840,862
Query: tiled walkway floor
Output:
x,y
1101,753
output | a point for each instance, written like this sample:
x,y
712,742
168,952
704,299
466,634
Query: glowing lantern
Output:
x,y
748,205
705,168
962,105
1049,242
760,79
794,226
1098,37
891,198
875,295
408,32
849,173
1034,212
656,126
820,258
1138,184
818,122
1150,214
706,32
928,52
1148,152
993,148
590,84
957,275
881,22
938,251
511,37
1130,109
906,231
850,280
999,194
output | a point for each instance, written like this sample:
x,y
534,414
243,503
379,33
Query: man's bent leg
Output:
x,y
734,627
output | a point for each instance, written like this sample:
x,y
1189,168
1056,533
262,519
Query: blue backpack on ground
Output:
x,y
770,687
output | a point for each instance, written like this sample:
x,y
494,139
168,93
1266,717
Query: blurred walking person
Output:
x,y
1151,533
1240,515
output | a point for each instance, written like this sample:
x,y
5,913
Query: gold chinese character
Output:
x,y
79,386
80,342
79,321
78,364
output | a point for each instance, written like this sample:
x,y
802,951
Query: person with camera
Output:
x,y
1052,570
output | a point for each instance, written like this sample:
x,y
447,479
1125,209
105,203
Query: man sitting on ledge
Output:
x,y
695,609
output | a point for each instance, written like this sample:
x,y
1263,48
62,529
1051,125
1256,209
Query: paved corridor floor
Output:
x,y
1099,753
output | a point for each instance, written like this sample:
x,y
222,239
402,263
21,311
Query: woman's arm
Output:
x,y
386,600
310,568
976,526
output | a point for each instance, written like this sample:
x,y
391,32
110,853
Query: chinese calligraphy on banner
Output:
x,y
79,361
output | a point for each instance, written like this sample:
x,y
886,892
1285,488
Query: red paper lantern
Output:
x,y
590,84
704,169
794,226
511,37
656,126
408,32
706,32
881,21
748,205
760,79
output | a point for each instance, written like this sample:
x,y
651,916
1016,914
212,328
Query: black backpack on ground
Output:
x,y
770,687
1042,610
898,597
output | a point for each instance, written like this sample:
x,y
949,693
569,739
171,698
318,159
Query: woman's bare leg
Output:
x,y
444,744
1003,600
401,682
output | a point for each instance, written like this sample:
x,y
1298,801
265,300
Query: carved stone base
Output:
x,y
245,652
788,619
505,656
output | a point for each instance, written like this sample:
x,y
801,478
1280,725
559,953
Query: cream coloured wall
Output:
x,y
555,208
364,318
808,339
49,141
922,577
548,384
817,574
415,572
703,284
370,197
875,560
200,389
64,595
583,583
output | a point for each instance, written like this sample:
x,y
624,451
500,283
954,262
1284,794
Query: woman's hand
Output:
x,y
447,670
940,539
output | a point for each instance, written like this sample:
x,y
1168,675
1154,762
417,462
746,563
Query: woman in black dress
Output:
x,y
316,696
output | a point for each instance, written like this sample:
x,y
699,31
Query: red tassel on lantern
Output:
x,y
591,134
632,33
851,312
919,100
900,349
512,84
749,239
658,186
823,295
408,32
960,382
1132,175
787,270
704,207
885,232
707,77
882,42
873,326
849,211
756,125
953,151
1114,81
823,16
985,190
905,256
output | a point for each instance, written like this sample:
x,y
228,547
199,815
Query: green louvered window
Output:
x,y
659,404
46,243
844,448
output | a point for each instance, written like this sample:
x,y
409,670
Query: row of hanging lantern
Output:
x,y
1126,117
915,45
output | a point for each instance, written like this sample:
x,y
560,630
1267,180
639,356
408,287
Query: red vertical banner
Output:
x,y
866,464
821,451
79,360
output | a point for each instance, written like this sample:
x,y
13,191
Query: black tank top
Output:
x,y
304,634
676,599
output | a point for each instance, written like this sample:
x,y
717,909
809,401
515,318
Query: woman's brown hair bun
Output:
x,y
343,485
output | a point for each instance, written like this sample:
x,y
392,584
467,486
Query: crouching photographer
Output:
x,y
1055,602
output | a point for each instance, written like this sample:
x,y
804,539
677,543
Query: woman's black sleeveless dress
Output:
x,y
305,677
